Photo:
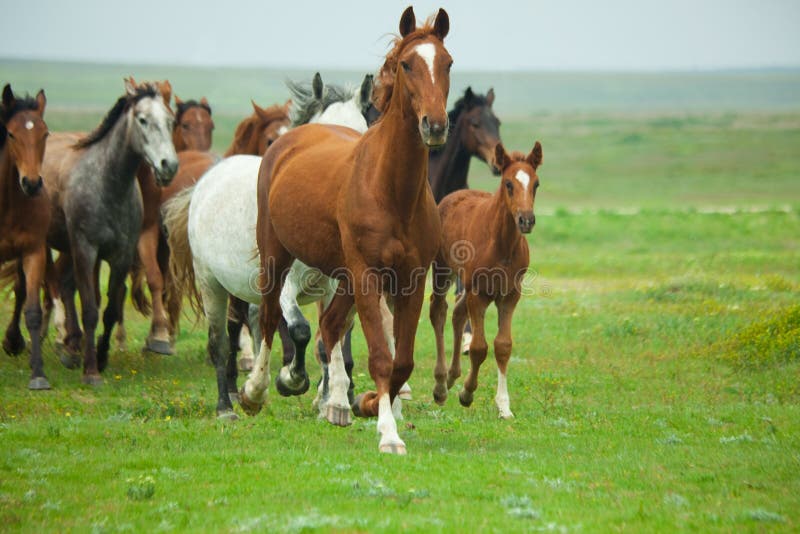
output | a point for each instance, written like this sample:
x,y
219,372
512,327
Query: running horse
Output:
x,y
359,209
97,209
24,218
483,245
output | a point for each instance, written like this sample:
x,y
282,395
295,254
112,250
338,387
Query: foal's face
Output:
x,y
519,184
151,134
425,69
195,128
26,136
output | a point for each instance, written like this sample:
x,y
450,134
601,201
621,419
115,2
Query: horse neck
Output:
x,y
177,139
116,158
502,226
402,169
9,182
449,167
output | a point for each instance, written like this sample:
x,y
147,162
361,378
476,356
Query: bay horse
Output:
x,y
359,209
483,245
97,209
24,218
215,263
193,125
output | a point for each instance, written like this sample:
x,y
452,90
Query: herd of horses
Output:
x,y
343,197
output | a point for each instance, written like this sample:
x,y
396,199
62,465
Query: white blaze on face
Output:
x,y
282,130
29,125
524,178
427,52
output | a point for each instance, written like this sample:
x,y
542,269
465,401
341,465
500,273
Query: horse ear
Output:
x,y
490,97
442,24
408,22
317,86
165,88
468,95
203,102
500,156
178,100
8,97
130,86
365,95
41,102
535,157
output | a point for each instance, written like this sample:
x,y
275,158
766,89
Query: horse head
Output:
x,y
22,127
193,125
520,183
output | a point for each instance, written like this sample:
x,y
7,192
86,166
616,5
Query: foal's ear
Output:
x,y
408,22
501,158
365,93
535,157
441,25
165,88
490,97
41,102
317,86
203,102
8,97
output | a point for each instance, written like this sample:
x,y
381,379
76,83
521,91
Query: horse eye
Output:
x,y
536,186
10,135
474,123
510,188
185,126
449,66
406,66
142,121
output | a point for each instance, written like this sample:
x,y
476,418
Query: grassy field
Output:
x,y
655,375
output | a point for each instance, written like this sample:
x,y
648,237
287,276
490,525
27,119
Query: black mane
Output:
x,y
27,103
111,118
186,105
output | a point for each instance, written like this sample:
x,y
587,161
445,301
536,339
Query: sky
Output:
x,y
486,35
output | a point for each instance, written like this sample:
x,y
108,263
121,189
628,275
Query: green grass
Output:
x,y
655,376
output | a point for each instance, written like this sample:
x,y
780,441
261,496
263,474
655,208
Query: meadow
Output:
x,y
655,375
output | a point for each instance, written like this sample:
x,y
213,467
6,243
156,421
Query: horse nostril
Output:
x,y
425,124
164,164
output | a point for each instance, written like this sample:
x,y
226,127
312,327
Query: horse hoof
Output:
x,y
393,448
13,345
68,357
440,394
285,383
227,415
246,364
465,398
158,346
233,396
250,408
338,415
506,415
38,383
405,392
92,380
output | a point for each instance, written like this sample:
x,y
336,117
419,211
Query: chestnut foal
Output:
x,y
483,245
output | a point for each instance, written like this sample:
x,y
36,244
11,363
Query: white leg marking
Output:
x,y
246,343
59,320
338,381
397,407
501,399
257,382
427,52
387,428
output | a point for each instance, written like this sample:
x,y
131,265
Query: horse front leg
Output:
x,y
113,311
13,342
65,315
438,317
293,378
335,321
84,259
158,339
33,266
502,352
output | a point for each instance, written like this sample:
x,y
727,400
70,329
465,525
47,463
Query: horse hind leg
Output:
x,y
237,311
112,313
215,305
14,342
337,321
293,377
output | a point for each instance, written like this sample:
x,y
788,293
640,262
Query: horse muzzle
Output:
x,y
526,222
433,132
165,171
31,187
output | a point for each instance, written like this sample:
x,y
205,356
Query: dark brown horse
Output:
x,y
367,218
24,218
483,245
193,125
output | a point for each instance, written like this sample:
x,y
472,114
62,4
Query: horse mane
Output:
x,y
121,106
384,81
462,105
186,105
305,106
26,103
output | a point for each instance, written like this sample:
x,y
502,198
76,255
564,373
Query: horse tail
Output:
x,y
175,214
8,274
138,296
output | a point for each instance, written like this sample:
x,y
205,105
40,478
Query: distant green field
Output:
x,y
655,375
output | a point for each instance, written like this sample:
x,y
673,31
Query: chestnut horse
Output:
x,y
97,210
359,209
24,218
483,245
